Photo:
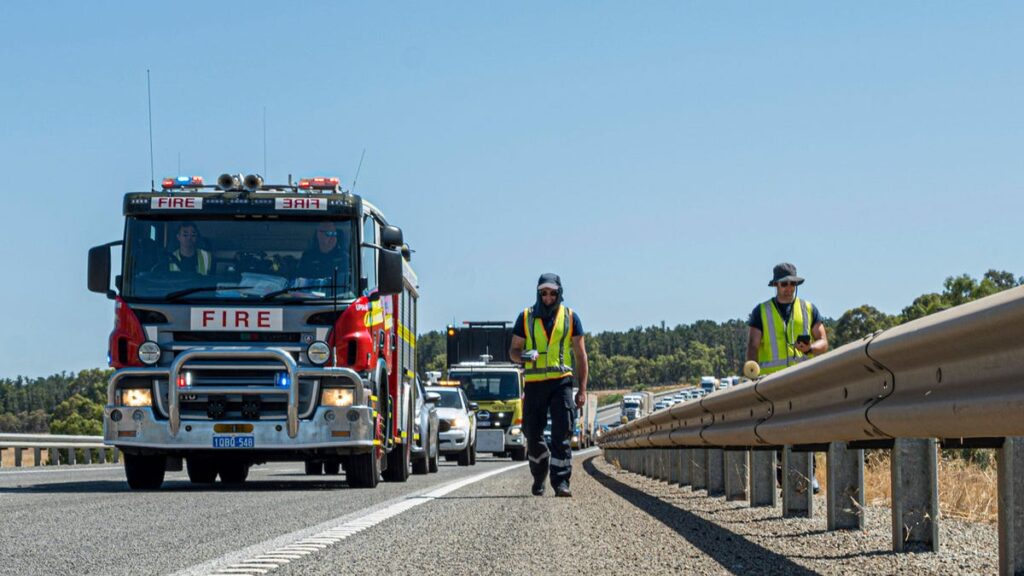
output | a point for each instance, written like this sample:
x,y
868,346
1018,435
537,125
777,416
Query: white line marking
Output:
x,y
63,469
333,531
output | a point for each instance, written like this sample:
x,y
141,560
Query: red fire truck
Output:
x,y
257,323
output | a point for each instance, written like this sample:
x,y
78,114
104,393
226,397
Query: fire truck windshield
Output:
x,y
239,259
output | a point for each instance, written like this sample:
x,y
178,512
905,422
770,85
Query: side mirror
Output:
x,y
431,397
406,252
389,272
391,237
474,406
99,270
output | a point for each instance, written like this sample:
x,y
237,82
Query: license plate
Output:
x,y
234,442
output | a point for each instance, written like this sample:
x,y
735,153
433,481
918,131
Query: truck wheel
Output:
x,y
363,470
465,459
421,466
432,463
518,454
201,470
314,467
472,454
332,468
144,472
398,463
233,472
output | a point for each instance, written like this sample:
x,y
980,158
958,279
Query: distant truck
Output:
x,y
709,384
636,405
478,360
583,435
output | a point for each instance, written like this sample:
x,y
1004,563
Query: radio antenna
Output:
x,y
358,168
265,142
149,103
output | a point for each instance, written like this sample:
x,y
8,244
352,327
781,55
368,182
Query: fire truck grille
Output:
x,y
219,337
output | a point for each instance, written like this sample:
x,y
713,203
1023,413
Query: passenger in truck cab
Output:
x,y
328,250
189,257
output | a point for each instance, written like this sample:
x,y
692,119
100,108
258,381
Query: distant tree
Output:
x,y
860,322
77,415
922,306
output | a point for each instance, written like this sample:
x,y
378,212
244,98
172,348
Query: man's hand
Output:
x,y
529,355
581,398
803,347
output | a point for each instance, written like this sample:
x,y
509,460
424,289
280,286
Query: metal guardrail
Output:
x,y
955,378
60,449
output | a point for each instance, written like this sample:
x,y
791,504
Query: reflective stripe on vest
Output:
x,y
555,359
202,262
778,338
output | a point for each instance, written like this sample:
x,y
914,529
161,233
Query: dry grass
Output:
x,y
966,490
27,457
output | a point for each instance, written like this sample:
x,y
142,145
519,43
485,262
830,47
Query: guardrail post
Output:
x,y
37,454
54,457
1011,506
72,457
715,469
736,474
845,496
673,465
698,479
915,495
663,465
17,457
117,455
797,495
762,478
88,455
102,456
684,466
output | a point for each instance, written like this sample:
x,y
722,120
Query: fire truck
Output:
x,y
256,323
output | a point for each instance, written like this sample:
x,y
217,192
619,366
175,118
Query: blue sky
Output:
x,y
660,156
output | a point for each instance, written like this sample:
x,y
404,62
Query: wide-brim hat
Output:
x,y
785,272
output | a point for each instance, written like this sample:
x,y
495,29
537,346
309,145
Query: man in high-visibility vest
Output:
x,y
547,339
189,258
785,330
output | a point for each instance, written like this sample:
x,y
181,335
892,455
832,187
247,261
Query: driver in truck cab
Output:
x,y
327,252
188,257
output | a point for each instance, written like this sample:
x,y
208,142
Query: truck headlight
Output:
x,y
515,431
318,353
136,397
459,422
149,353
336,397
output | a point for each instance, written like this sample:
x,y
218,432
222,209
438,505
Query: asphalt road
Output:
x,y
470,520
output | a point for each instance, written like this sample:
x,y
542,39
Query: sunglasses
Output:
x,y
328,233
785,284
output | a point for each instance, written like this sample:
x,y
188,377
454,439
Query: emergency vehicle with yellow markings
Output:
x,y
257,322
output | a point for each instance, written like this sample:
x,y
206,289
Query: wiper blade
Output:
x,y
276,293
180,293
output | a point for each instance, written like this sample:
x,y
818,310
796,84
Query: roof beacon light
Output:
x,y
319,183
182,182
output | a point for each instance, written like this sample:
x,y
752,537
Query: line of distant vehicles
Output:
x,y
639,404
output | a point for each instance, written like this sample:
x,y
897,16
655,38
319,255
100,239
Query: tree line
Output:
x,y
642,356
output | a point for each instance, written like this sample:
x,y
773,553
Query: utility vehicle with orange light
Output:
x,y
258,323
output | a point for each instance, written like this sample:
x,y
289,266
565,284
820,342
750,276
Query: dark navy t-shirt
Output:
x,y
785,310
519,330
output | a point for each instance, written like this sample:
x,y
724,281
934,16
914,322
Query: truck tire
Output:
x,y
398,463
332,468
518,454
465,459
233,472
363,470
144,472
421,465
314,467
201,470
472,454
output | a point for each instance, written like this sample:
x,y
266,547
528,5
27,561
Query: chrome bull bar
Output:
x,y
237,353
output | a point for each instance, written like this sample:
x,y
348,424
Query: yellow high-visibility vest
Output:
x,y
778,339
555,349
202,262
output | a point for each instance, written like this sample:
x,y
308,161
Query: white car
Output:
x,y
456,424
661,404
425,435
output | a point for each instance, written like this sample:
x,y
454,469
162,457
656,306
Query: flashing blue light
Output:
x,y
282,380
182,182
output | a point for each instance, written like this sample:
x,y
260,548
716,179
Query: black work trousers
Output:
x,y
552,397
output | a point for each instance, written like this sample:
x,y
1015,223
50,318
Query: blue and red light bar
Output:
x,y
182,182
319,183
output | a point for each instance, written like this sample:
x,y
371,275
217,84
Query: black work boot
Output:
x,y
562,490
538,488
